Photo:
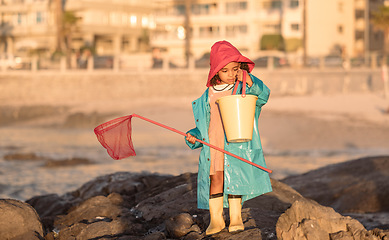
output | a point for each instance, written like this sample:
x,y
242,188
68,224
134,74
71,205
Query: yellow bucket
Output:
x,y
237,113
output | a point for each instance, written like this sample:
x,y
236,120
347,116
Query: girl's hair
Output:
x,y
216,80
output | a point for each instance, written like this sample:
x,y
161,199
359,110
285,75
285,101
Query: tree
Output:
x,y
69,26
58,9
272,42
380,20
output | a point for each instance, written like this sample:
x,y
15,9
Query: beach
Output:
x,y
299,133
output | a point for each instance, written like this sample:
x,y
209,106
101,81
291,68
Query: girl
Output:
x,y
224,181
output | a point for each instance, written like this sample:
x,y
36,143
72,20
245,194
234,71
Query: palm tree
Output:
x,y
69,26
380,20
188,33
58,6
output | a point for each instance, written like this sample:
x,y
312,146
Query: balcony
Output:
x,y
360,24
360,4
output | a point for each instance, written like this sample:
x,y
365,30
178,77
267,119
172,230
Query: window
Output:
x,y
359,13
234,30
133,20
359,34
200,9
294,3
340,6
39,17
179,10
340,29
209,31
19,19
234,7
294,26
272,27
276,4
145,21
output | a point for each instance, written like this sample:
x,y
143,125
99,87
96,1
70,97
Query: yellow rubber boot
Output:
x,y
216,214
236,223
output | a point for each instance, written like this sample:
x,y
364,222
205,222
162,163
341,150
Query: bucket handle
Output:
x,y
243,85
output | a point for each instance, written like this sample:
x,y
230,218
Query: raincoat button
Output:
x,y
194,103
197,120
203,139
208,159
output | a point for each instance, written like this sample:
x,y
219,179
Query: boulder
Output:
x,y
98,217
149,206
357,186
181,225
307,219
18,220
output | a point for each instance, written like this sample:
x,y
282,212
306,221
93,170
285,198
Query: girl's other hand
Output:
x,y
239,77
190,138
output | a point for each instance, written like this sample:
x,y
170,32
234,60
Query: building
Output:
x,y
108,26
333,27
209,21
113,27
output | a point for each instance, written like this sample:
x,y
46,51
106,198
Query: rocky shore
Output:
x,y
347,200
57,182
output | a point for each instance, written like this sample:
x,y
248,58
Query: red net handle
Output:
x,y
205,143
243,85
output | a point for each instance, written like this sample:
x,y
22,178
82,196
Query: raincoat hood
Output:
x,y
222,53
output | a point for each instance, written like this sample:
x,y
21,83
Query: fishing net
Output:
x,y
115,136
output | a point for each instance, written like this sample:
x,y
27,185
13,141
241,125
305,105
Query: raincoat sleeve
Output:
x,y
259,89
196,133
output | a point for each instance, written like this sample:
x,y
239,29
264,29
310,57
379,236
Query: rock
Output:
x,y
23,157
49,207
358,186
18,220
98,217
307,219
181,225
84,120
124,183
169,203
75,161
148,206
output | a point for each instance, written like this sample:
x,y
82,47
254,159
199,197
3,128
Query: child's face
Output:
x,y
228,73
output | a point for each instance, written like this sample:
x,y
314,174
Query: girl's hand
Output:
x,y
190,138
239,77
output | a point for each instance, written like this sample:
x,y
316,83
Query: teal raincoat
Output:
x,y
240,178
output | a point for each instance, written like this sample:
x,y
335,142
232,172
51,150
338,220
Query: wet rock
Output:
x,y
11,115
181,225
150,206
97,217
23,157
135,185
67,162
50,163
306,219
358,186
49,207
81,120
18,220
169,203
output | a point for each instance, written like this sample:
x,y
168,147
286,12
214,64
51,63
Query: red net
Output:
x,y
115,136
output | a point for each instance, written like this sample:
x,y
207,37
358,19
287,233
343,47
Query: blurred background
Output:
x,y
136,34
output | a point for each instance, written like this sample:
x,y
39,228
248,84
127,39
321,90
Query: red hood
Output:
x,y
222,53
